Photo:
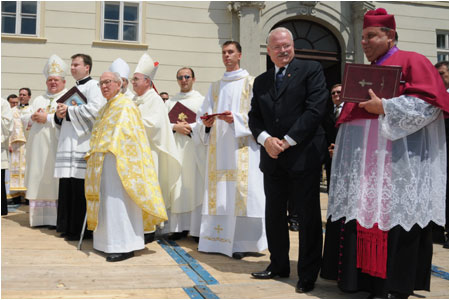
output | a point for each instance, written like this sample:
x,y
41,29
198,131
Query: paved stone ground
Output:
x,y
37,263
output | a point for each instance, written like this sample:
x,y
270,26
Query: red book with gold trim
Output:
x,y
180,112
359,78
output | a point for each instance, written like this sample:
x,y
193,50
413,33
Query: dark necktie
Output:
x,y
279,78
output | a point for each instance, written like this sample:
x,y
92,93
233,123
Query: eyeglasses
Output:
x,y
183,76
105,82
335,92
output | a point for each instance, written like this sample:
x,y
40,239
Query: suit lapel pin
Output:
x,y
289,75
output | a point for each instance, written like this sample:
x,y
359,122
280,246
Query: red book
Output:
x,y
181,113
206,117
358,79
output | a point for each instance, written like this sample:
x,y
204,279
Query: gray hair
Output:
x,y
116,76
279,29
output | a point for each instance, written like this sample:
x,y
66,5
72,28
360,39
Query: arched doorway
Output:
x,y
314,41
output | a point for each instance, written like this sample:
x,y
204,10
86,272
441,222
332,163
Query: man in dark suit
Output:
x,y
288,105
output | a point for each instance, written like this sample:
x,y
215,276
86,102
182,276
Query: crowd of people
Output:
x,y
240,167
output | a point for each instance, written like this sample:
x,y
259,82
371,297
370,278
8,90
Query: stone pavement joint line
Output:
x,y
193,269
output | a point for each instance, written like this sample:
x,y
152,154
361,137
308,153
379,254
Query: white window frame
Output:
x,y
121,21
18,16
442,51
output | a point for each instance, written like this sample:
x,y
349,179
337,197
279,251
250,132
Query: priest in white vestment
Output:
x,y
17,145
185,208
17,148
76,124
42,186
157,125
122,191
234,202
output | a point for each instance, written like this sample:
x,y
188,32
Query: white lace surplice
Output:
x,y
391,170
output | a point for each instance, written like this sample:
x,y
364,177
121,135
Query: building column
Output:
x,y
359,8
249,13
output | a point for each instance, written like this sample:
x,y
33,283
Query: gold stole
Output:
x,y
240,174
17,165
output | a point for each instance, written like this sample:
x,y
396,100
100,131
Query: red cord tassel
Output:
x,y
371,251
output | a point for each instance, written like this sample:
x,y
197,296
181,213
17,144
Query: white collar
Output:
x,y
235,75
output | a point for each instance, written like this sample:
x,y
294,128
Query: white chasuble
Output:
x,y
234,200
185,209
42,186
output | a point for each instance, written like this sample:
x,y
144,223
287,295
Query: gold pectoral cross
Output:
x,y
182,117
363,83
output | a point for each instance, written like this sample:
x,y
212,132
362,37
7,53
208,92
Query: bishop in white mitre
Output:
x,y
157,126
42,186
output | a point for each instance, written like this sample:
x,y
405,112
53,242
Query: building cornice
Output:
x,y
237,6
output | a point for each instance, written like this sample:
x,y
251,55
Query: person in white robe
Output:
x,y
42,186
7,126
122,190
185,209
157,125
120,66
234,202
70,166
17,149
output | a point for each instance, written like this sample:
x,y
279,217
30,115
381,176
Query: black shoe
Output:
x,y
71,237
88,235
196,239
294,226
16,200
51,227
178,235
446,240
266,274
119,256
239,255
149,237
395,295
304,286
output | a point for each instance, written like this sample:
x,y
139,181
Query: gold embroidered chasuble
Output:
x,y
240,174
120,131
17,142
